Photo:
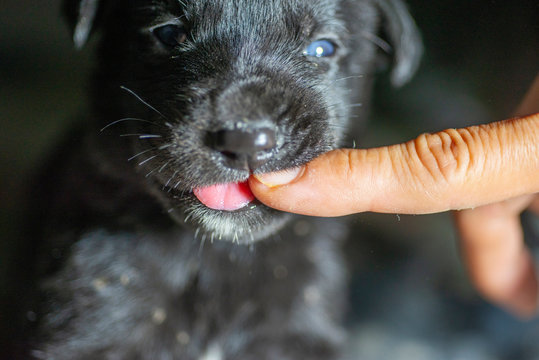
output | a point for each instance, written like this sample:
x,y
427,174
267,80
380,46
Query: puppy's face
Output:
x,y
212,91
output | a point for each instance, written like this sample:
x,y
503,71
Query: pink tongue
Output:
x,y
228,197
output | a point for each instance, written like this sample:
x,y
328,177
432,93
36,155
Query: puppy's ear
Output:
x,y
404,37
81,16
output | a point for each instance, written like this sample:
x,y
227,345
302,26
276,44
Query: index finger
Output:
x,y
449,170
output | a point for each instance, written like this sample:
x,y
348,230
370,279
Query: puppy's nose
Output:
x,y
244,147
244,142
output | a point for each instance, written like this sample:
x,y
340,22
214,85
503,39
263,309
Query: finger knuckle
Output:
x,y
444,157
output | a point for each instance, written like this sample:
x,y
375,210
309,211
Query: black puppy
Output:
x,y
150,234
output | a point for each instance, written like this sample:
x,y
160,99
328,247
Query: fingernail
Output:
x,y
280,178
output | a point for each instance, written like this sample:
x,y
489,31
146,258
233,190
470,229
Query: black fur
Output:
x,y
135,267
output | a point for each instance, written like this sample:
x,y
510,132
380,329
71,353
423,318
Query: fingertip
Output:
x,y
280,178
514,288
525,302
265,190
499,264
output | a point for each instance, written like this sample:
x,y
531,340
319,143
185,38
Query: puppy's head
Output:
x,y
211,91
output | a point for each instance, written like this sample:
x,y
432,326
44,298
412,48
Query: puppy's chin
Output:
x,y
251,223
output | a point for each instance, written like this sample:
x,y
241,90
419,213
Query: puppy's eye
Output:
x,y
170,35
321,48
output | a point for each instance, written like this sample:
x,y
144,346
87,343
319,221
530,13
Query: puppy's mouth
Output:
x,y
224,211
225,197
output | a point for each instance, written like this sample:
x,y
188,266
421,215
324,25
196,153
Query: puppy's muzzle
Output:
x,y
244,146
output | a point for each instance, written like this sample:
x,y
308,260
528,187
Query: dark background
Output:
x,y
410,296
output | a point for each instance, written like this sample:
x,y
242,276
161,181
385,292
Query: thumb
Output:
x,y
449,170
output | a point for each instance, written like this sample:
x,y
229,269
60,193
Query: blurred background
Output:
x,y
410,298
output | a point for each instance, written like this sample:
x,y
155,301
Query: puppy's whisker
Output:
x,y
148,159
164,166
127,119
344,119
201,247
170,179
339,127
335,106
142,101
151,172
202,243
184,5
348,78
141,153
143,136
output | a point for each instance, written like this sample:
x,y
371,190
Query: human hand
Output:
x,y
492,169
